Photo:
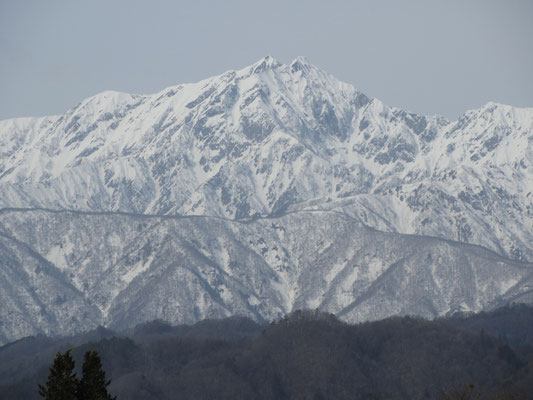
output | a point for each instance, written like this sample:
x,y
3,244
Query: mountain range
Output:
x,y
257,192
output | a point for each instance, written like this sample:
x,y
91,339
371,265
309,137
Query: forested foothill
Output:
x,y
306,355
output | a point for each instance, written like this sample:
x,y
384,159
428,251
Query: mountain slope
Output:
x,y
132,269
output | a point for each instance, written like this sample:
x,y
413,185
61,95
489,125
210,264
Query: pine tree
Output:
x,y
62,382
93,385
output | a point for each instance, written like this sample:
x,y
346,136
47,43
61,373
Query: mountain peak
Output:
x,y
300,63
264,63
492,105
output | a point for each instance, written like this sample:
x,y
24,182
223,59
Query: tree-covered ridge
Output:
x,y
308,355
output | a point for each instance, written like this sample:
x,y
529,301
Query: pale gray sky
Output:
x,y
430,57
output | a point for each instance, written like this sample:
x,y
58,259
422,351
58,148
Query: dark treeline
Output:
x,y
306,355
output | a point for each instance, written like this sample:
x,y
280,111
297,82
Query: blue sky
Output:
x,y
429,57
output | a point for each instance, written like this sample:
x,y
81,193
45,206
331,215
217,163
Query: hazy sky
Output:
x,y
430,57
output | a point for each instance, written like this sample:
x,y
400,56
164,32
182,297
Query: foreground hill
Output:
x,y
306,355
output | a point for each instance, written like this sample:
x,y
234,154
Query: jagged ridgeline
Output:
x,y
257,192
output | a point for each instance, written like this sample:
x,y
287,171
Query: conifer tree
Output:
x,y
93,385
62,382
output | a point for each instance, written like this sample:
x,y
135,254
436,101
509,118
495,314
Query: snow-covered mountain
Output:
x,y
271,138
248,150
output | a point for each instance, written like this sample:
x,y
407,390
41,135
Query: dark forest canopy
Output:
x,y
306,355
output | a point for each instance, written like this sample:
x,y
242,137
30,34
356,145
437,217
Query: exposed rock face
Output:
x,y
268,146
